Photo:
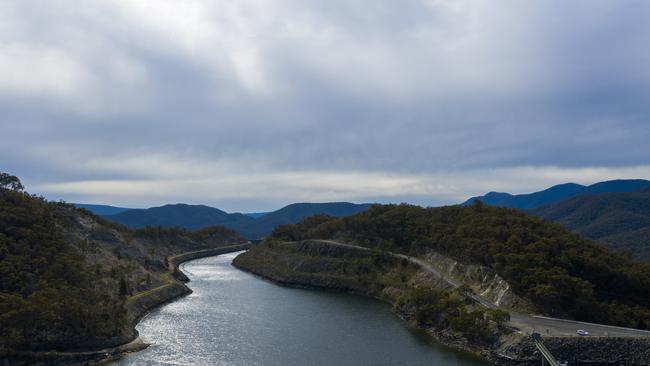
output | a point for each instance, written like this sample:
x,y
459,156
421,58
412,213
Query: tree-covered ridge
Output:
x,y
48,294
560,272
66,274
444,309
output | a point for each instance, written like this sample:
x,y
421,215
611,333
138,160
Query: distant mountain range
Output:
x,y
187,216
101,209
557,193
293,213
256,215
615,213
618,220
251,226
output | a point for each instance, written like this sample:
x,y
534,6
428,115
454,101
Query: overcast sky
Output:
x,y
249,105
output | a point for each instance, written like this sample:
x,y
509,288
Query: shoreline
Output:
x,y
440,337
137,306
510,349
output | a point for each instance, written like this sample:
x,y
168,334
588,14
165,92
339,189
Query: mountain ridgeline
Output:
x,y
559,272
101,210
557,193
181,215
619,220
199,216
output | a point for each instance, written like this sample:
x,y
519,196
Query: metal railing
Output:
x,y
547,356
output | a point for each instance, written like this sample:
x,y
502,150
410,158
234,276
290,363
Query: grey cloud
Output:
x,y
403,88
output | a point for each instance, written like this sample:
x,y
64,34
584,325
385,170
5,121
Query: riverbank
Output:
x,y
315,264
320,265
236,318
137,306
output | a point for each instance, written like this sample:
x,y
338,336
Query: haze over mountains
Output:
x,y
618,220
251,226
557,193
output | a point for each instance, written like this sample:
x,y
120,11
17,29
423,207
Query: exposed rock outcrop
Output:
x,y
481,280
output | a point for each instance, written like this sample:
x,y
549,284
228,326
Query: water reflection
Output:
x,y
236,319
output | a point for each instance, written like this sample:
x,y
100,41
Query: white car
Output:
x,y
582,332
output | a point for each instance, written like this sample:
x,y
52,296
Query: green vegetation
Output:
x,y
560,272
10,182
442,309
48,295
319,265
66,274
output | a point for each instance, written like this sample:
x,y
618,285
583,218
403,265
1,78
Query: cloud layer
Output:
x,y
252,104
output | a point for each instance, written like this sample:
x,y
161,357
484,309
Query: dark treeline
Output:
x,y
48,295
562,273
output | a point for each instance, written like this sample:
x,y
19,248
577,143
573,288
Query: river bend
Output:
x,y
236,319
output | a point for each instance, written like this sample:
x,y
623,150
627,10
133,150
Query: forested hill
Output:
x,y
65,274
560,272
557,193
619,220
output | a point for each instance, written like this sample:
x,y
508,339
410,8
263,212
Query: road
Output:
x,y
567,328
525,323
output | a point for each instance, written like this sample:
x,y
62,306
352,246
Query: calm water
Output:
x,y
234,318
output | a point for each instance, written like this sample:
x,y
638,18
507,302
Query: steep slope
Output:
x,y
293,213
618,220
68,278
181,215
557,193
559,272
101,209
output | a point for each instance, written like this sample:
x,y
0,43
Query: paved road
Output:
x,y
525,323
567,328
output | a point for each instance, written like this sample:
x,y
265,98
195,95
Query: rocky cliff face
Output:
x,y
481,280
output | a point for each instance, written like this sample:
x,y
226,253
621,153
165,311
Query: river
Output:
x,y
236,319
